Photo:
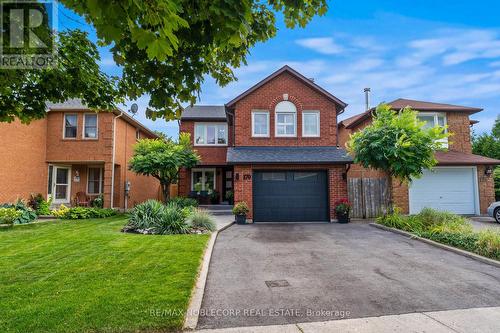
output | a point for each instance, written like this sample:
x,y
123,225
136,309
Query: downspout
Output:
x,y
113,160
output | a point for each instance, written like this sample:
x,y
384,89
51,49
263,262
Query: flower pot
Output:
x,y
343,218
241,219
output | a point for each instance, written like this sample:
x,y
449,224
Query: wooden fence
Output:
x,y
369,196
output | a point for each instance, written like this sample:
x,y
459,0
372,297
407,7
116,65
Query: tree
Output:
x,y
74,74
167,47
163,159
397,144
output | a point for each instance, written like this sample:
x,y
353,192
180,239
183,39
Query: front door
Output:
x,y
61,178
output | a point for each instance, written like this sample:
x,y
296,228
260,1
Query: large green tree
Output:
x,y
163,159
167,47
397,143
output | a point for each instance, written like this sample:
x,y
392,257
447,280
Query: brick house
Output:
x,y
274,146
461,182
277,146
74,150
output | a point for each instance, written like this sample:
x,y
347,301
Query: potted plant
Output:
x,y
230,197
342,209
214,197
240,210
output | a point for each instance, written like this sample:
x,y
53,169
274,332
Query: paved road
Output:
x,y
323,272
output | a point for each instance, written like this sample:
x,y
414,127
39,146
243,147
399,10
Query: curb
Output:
x,y
464,253
193,310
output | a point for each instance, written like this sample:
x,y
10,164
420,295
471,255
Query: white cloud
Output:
x,y
457,46
325,45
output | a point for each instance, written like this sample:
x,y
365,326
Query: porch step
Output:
x,y
218,209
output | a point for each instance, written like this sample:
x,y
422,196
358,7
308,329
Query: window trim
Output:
x,y
276,124
101,174
257,112
64,126
96,126
216,133
318,122
436,115
203,170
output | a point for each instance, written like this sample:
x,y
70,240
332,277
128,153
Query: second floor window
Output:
x,y
310,123
90,126
206,134
70,126
286,119
433,119
260,123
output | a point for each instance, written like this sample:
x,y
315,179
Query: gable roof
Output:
x,y
297,75
204,112
76,104
401,103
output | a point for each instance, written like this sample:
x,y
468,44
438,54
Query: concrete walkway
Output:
x,y
453,321
484,222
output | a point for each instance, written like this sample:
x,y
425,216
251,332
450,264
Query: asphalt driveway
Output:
x,y
278,274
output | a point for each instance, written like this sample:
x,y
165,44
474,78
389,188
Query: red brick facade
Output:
x,y
285,86
303,97
32,148
460,140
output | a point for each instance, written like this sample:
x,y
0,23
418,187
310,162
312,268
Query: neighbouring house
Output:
x,y
74,150
461,182
278,147
275,147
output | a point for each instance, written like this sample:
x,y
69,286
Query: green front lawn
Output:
x,y
74,276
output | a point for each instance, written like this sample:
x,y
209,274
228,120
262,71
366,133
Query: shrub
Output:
x,y
8,215
202,219
184,202
173,221
39,204
488,244
60,212
241,208
81,213
464,241
160,219
145,215
98,202
446,228
27,214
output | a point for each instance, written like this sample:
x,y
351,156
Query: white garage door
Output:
x,y
447,189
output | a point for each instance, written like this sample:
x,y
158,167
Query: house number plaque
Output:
x,y
247,177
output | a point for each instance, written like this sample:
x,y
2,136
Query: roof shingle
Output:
x,y
459,158
277,155
209,112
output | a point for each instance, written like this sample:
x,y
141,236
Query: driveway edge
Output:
x,y
193,310
442,246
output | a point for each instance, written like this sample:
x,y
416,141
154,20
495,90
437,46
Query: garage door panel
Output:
x,y
445,189
290,196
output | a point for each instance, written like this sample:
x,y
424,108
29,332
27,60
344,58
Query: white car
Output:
x,y
494,211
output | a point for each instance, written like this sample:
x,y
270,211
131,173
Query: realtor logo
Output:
x,y
27,34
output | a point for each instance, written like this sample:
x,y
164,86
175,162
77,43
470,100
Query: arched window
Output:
x,y
286,119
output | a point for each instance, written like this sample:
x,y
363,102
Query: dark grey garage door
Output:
x,y
290,196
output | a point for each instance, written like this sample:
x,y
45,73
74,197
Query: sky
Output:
x,y
439,51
